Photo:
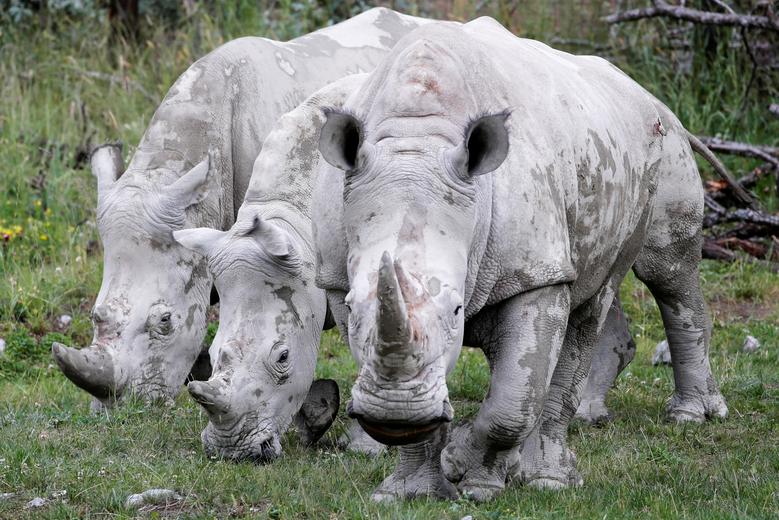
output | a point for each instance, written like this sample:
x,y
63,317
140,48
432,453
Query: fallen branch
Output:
x,y
712,250
767,153
749,180
662,8
750,247
755,217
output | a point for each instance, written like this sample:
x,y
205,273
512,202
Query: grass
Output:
x,y
52,108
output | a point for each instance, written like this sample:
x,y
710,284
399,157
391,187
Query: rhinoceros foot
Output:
x,y
479,472
357,441
418,473
426,481
546,463
696,408
593,412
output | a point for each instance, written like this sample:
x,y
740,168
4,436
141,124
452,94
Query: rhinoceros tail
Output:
x,y
721,170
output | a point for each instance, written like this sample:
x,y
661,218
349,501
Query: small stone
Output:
x,y
662,355
2,346
64,321
6,496
751,344
152,496
467,517
36,503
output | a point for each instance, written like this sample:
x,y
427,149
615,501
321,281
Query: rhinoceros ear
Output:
x,y
486,144
192,187
318,411
276,242
340,140
199,240
107,164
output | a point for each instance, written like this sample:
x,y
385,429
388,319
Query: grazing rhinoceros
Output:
x,y
496,191
150,314
272,312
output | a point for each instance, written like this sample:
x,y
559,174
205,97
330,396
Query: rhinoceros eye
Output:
x,y
165,318
283,357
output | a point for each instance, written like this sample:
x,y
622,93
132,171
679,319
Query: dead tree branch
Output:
x,y
767,153
660,8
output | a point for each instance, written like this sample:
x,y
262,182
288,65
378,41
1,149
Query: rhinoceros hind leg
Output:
x,y
357,441
613,352
670,271
418,473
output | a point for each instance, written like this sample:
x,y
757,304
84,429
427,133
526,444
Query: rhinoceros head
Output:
x,y
264,352
150,314
415,149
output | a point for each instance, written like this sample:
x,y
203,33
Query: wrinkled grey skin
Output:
x,y
150,314
495,192
265,349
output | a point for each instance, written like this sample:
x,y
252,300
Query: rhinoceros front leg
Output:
x,y
613,352
545,460
521,338
418,473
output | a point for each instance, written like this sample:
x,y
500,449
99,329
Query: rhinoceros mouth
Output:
x,y
398,434
246,441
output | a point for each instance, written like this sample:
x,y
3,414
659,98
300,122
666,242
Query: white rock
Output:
x,y
64,321
152,496
467,517
751,344
6,496
662,355
2,346
36,503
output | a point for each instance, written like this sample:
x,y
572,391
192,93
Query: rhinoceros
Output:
x,y
490,190
150,314
272,312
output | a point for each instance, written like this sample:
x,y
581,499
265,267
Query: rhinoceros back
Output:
x,y
587,142
228,100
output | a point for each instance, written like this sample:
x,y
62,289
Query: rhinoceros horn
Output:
x,y
209,397
91,368
393,327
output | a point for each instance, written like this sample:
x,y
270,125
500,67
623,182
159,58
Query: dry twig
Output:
x,y
664,9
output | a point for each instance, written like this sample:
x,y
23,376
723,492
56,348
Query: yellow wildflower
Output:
x,y
37,203
44,237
